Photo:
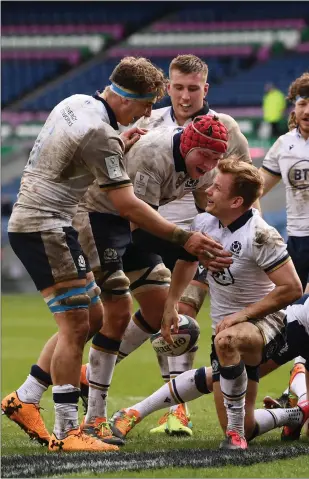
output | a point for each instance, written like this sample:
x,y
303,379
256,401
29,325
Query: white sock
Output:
x,y
177,391
31,390
233,383
178,365
164,369
299,359
133,338
99,371
298,385
66,414
268,419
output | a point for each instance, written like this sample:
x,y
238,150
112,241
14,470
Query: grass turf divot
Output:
x,y
44,465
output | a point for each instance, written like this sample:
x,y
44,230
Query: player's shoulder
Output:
x,y
158,118
205,221
160,137
227,120
282,144
262,233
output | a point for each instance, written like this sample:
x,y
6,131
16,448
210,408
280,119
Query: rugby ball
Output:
x,y
184,340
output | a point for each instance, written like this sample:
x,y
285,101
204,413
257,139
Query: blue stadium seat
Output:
x,y
88,12
21,76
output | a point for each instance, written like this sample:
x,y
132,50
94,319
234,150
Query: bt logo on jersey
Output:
x,y
298,175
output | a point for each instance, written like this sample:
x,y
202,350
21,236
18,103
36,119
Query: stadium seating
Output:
x,y
235,42
21,76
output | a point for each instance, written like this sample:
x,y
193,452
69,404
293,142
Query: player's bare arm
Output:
x,y
288,289
269,180
183,273
138,212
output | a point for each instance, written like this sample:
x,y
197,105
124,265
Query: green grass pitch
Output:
x,y
27,323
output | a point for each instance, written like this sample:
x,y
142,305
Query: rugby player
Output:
x,y
288,159
188,89
197,382
159,168
246,298
78,144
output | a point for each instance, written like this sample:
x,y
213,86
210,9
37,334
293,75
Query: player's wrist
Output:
x,y
180,236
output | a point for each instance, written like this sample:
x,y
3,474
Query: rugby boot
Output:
x,y
123,421
281,402
162,427
27,416
178,422
100,429
234,440
75,440
292,433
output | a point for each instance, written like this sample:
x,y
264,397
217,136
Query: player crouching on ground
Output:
x,y
246,298
195,383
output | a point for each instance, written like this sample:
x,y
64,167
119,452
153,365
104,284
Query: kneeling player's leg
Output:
x,y
235,346
186,387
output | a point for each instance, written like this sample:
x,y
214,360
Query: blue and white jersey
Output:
x,y
257,250
288,159
300,313
182,211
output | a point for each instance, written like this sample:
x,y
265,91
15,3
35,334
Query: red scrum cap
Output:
x,y
204,131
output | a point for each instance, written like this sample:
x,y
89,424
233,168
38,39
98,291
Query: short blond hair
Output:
x,y
189,64
139,75
248,181
300,87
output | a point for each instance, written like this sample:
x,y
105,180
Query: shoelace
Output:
x,y
103,429
163,419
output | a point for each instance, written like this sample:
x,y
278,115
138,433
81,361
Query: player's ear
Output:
x,y
206,88
168,88
237,202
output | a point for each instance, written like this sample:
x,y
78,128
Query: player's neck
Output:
x,y
181,120
304,134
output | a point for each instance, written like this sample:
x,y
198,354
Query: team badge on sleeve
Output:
x,y
140,183
113,167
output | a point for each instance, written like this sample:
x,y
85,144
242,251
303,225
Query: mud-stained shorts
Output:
x,y
104,238
273,330
51,256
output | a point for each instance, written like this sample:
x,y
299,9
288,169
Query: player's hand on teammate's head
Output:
x,y
131,136
217,264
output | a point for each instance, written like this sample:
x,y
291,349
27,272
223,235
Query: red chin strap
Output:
x,y
205,131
